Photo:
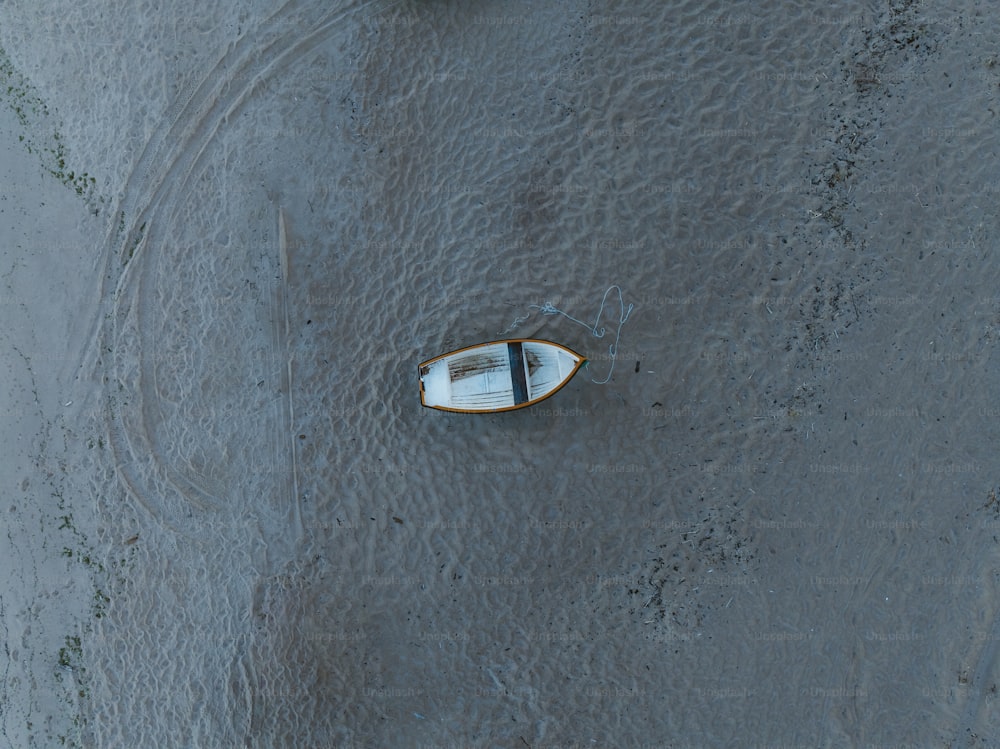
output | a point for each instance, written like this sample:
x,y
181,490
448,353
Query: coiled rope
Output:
x,y
549,309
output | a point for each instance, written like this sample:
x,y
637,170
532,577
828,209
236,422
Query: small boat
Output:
x,y
497,376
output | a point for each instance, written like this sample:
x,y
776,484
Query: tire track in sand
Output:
x,y
174,153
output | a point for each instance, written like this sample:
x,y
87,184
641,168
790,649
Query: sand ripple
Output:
x,y
319,197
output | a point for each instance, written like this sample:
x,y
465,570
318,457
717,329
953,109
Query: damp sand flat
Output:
x,y
47,593
773,526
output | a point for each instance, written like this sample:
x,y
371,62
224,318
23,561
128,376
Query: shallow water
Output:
x,y
772,527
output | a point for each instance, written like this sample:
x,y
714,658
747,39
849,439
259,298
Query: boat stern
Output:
x,y
435,385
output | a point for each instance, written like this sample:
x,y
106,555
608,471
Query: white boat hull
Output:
x,y
497,376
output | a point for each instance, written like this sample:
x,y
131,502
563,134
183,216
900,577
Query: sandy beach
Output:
x,y
230,235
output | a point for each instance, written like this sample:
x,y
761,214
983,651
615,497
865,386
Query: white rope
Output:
x,y
549,309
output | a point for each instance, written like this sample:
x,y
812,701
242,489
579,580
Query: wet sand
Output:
x,y
775,525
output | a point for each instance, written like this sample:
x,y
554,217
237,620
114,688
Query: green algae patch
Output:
x,y
42,136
